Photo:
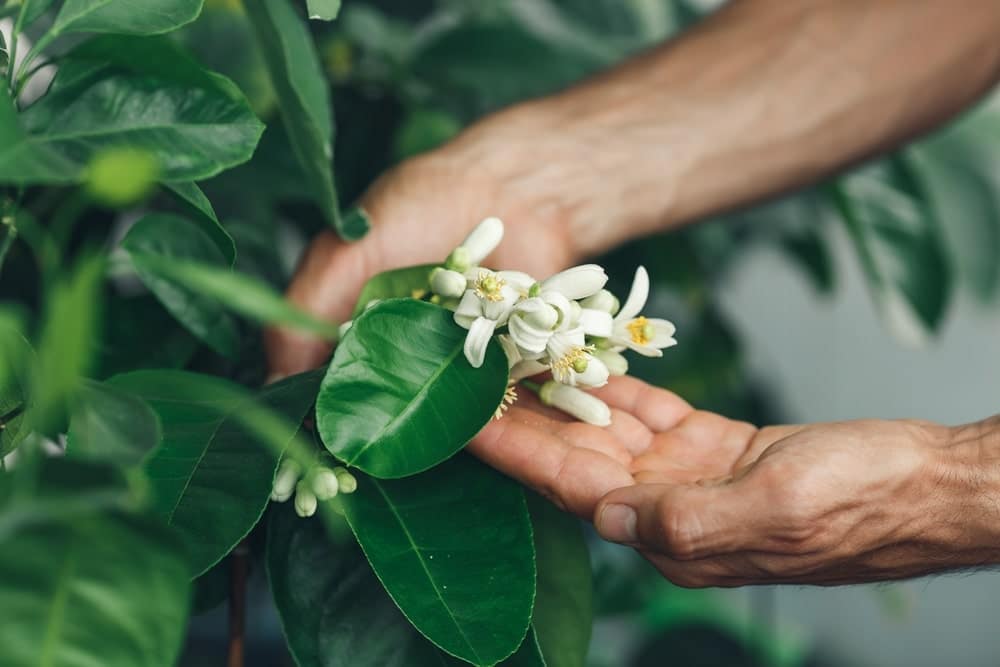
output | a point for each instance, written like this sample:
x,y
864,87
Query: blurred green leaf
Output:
x,y
139,333
424,129
160,238
124,17
303,98
430,539
411,281
564,611
147,94
192,195
28,159
107,423
16,361
106,590
244,294
332,605
399,396
212,475
67,344
323,10
899,244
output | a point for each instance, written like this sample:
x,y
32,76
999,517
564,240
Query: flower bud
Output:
x,y
483,240
604,301
305,500
576,402
616,363
459,260
324,483
347,482
578,282
284,481
448,283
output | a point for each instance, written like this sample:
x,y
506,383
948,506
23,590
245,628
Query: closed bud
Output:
x,y
284,481
324,483
459,260
578,282
604,301
448,283
305,500
483,240
348,483
576,402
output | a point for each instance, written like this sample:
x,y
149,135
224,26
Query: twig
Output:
x,y
238,604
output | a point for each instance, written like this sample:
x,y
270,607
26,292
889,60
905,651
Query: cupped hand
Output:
x,y
716,502
420,211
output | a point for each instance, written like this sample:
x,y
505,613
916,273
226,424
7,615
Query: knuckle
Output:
x,y
681,530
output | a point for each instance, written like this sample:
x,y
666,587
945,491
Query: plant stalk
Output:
x,y
238,604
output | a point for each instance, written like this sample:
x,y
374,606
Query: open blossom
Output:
x,y
647,336
486,305
572,362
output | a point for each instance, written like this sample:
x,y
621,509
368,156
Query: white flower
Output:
x,y
478,339
595,322
345,480
305,500
571,361
484,307
324,483
447,283
646,336
483,240
531,324
603,300
616,363
576,402
284,481
578,282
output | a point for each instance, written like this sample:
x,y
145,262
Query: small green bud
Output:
x,y
121,176
324,483
535,290
348,483
305,500
458,260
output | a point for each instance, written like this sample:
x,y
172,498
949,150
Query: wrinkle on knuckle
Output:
x,y
681,529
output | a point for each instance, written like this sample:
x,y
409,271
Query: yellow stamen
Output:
x,y
640,330
509,398
489,287
574,360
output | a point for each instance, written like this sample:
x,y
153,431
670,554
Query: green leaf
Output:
x,y
25,159
123,17
323,10
107,590
110,424
139,333
332,605
169,238
147,94
453,548
16,359
897,239
564,611
411,281
192,195
244,294
399,396
67,344
212,475
303,99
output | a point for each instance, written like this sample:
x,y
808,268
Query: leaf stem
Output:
x,y
238,604
17,82
9,223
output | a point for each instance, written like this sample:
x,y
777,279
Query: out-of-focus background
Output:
x,y
872,295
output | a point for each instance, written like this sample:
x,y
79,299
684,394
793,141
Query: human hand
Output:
x,y
718,502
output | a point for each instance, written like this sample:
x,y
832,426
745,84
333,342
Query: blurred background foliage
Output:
x,y
407,75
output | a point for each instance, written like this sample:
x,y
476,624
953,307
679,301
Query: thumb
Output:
x,y
683,522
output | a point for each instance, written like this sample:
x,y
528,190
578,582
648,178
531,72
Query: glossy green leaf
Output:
x,y
140,333
411,281
191,194
323,10
303,99
331,604
212,475
16,359
28,159
33,10
110,424
107,590
66,353
453,547
241,293
123,17
399,396
160,238
898,241
564,612
147,94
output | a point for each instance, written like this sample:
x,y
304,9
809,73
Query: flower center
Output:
x,y
576,360
489,286
640,330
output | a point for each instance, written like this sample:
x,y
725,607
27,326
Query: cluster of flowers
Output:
x,y
567,324
320,483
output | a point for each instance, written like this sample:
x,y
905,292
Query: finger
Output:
x,y
573,477
657,408
683,522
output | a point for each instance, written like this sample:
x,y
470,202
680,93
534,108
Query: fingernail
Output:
x,y
617,524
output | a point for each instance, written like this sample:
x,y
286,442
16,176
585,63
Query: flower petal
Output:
x,y
526,369
636,297
483,240
663,333
478,338
469,308
519,280
596,322
578,282
530,338
617,364
596,374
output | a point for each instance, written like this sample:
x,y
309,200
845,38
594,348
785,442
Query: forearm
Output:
x,y
763,97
